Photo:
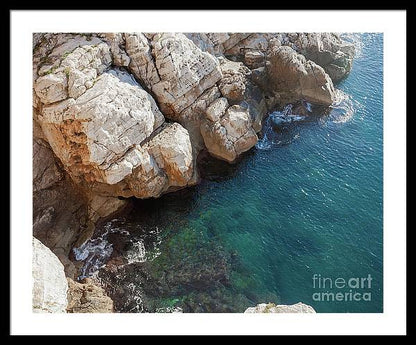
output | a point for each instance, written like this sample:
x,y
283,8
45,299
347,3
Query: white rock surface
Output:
x,y
173,67
172,150
280,308
231,135
293,77
50,286
327,50
76,64
217,109
97,133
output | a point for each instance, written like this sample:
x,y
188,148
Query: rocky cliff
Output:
x,y
120,115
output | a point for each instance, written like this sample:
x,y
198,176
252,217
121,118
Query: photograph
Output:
x,y
208,172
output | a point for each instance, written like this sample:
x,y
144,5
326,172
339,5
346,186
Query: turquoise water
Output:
x,y
310,202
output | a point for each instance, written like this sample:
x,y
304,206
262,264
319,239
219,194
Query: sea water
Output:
x,y
298,218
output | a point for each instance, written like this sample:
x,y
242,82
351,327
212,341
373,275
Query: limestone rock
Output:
x,y
254,59
101,206
280,308
217,43
60,211
147,178
193,115
87,297
49,282
230,136
233,45
292,77
246,43
237,86
209,42
95,135
142,64
46,172
73,64
179,72
327,50
233,83
216,109
172,150
111,139
52,88
184,81
117,45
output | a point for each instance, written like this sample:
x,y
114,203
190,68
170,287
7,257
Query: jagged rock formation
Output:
x,y
54,293
280,308
49,282
60,211
186,81
62,214
291,77
177,72
87,297
327,50
231,134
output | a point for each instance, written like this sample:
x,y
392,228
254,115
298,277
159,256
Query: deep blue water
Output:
x,y
310,203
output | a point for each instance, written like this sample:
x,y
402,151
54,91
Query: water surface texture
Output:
x,y
306,202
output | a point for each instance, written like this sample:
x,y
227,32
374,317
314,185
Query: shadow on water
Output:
x,y
213,169
154,211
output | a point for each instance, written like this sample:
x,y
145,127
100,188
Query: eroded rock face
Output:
x,y
291,77
117,44
327,50
99,121
186,81
280,308
231,44
230,135
100,132
60,211
49,281
179,72
91,135
73,71
100,137
87,297
237,86
172,150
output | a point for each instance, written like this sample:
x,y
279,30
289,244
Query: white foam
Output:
x,y
343,109
96,252
137,253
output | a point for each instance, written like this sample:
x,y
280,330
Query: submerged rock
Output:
x,y
280,308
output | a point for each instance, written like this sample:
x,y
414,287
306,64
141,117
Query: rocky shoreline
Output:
x,y
121,115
